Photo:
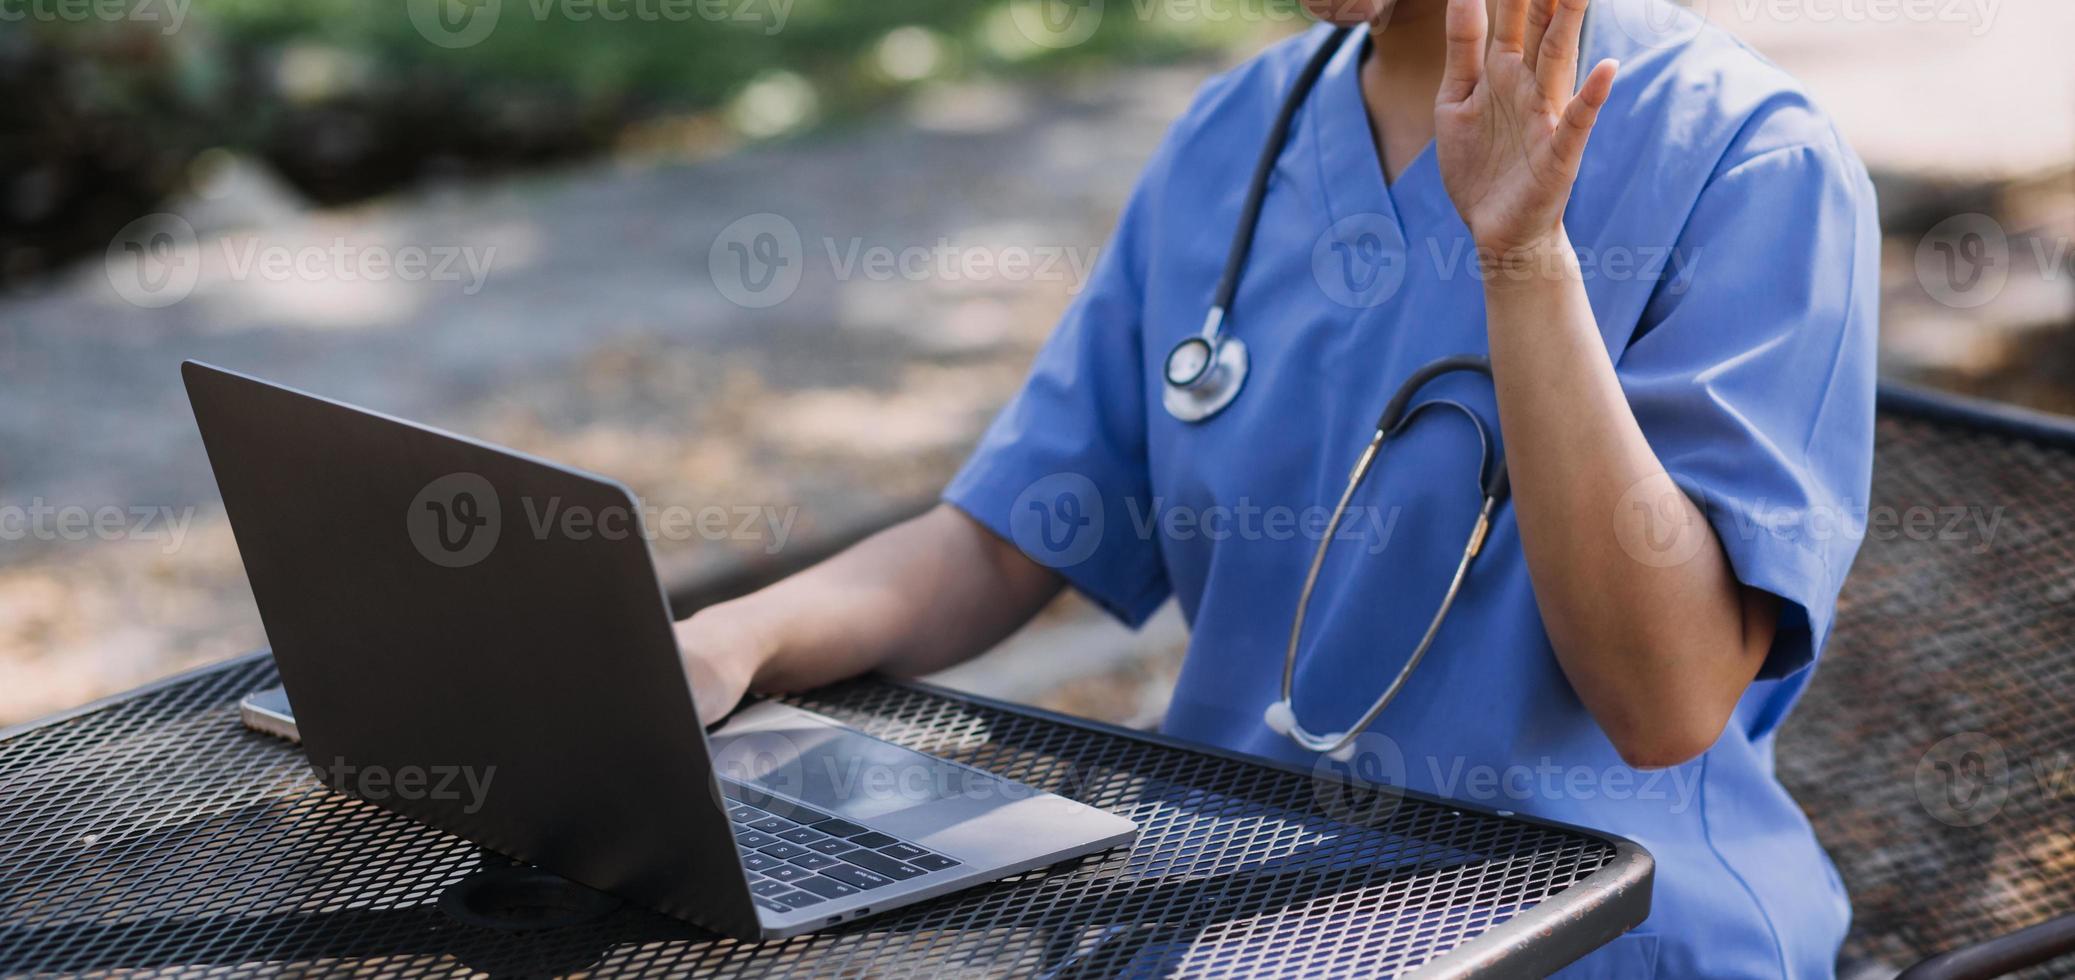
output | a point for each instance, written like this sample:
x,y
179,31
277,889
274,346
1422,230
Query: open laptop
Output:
x,y
516,681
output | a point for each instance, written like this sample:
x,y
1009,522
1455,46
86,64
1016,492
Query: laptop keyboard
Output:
x,y
796,856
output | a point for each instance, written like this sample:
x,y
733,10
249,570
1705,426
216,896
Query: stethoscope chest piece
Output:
x,y
1202,377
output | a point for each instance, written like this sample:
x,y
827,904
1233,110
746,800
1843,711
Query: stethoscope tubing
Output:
x,y
1264,170
1282,715
1211,377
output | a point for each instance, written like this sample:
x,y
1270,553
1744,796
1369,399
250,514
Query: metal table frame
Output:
x,y
1936,638
1558,931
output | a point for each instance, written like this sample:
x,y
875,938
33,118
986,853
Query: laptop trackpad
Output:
x,y
798,754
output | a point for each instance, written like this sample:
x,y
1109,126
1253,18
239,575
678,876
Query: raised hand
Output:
x,y
1508,130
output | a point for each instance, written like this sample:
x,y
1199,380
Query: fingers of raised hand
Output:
x,y
1509,34
1465,59
1556,51
1539,13
1568,144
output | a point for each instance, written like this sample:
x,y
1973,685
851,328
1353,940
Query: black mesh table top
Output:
x,y
1932,751
153,832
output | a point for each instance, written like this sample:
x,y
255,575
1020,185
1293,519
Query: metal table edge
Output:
x,y
1608,902
1202,748
1977,414
1596,911
109,701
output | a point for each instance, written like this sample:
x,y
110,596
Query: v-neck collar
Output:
x,y
1351,173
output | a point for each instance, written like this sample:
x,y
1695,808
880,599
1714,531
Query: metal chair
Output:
x,y
1935,750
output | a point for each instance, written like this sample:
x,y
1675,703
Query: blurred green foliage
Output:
x,y
696,53
351,98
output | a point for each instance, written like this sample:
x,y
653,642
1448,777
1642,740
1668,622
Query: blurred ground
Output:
x,y
598,335
597,338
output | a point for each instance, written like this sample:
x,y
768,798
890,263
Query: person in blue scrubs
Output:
x,y
1671,259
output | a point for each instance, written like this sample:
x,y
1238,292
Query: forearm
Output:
x,y
1645,613
915,598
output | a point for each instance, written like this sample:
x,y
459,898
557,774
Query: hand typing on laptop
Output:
x,y
916,598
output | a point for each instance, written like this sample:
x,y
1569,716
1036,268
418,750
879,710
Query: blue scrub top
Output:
x,y
1731,255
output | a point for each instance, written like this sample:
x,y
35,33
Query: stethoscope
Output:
x,y
1204,373
1491,478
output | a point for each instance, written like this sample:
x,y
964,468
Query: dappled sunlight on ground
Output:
x,y
598,338
592,330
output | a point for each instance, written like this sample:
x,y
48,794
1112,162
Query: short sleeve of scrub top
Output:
x,y
1741,373
1062,466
